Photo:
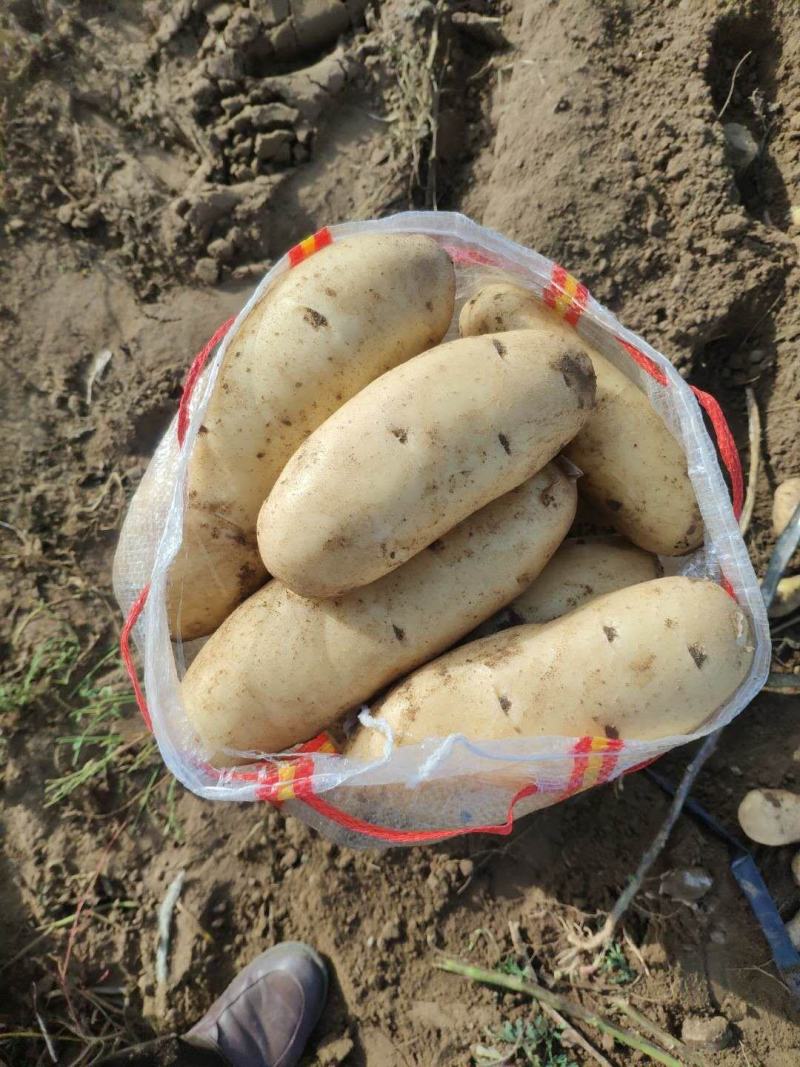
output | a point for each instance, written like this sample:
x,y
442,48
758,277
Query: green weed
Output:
x,y
616,966
96,709
536,1042
103,732
50,669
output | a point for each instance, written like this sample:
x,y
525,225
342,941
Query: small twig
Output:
x,y
636,951
724,107
784,549
782,553
642,1021
26,950
575,1036
560,1004
754,435
43,1029
601,939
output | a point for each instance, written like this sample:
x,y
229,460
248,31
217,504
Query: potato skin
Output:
x,y
583,569
283,667
324,330
785,500
770,816
646,662
417,451
634,469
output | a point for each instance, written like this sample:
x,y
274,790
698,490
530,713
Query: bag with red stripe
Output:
x,y
468,741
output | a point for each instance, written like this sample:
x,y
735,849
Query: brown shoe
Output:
x,y
266,1015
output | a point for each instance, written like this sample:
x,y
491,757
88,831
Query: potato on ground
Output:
x,y
417,451
634,470
771,816
651,661
784,503
324,330
283,667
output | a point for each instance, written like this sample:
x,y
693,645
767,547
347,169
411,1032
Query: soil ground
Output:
x,y
157,157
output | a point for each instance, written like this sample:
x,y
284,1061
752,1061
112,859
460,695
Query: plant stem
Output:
x,y
649,1026
602,938
561,1004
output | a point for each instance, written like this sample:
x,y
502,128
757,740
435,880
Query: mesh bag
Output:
x,y
444,786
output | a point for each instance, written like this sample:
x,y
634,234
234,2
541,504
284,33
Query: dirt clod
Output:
x,y
712,1034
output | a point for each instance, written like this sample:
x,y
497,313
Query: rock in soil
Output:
x,y
711,1035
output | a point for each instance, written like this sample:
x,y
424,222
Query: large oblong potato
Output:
x,y
634,469
417,451
646,662
324,330
283,667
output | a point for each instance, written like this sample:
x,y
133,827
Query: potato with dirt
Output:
x,y
283,667
325,329
651,661
583,569
771,816
416,452
634,470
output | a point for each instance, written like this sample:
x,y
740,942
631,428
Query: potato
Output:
x,y
650,661
634,469
784,502
582,570
324,330
771,816
282,667
793,930
416,452
787,598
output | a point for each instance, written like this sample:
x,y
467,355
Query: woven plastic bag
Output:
x,y
445,786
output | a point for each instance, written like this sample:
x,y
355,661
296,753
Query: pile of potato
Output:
x,y
401,492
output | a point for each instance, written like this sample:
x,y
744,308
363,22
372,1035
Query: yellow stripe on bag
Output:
x,y
563,300
594,763
284,789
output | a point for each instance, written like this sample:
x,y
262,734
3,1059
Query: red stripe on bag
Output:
x,y
307,247
127,658
576,308
387,834
195,370
471,257
722,431
645,362
726,585
565,295
726,445
608,763
581,750
137,607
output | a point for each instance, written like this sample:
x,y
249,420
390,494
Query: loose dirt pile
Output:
x,y
155,163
